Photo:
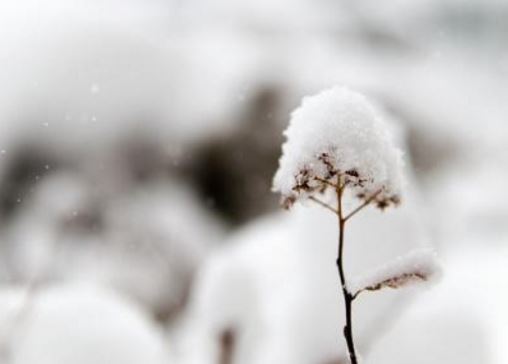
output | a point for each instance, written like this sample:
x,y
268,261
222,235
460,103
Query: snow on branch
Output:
x,y
338,138
417,266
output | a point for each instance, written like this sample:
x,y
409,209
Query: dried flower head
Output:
x,y
336,137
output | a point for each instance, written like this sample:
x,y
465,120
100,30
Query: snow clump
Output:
x,y
338,137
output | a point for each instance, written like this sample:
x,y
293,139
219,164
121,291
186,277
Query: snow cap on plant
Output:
x,y
416,266
338,133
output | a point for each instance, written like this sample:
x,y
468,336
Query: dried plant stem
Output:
x,y
342,218
324,204
367,201
348,298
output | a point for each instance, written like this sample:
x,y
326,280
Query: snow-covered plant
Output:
x,y
337,143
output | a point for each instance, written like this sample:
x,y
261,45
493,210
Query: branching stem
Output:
x,y
357,293
359,208
348,298
324,204
342,218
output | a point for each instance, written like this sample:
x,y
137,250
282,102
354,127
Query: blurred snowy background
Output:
x,y
138,139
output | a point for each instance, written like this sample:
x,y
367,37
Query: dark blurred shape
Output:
x,y
234,172
227,346
144,158
23,171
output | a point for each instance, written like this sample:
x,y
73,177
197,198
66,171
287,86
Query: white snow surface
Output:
x,y
463,319
79,325
345,126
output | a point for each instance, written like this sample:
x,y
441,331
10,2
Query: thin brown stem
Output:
x,y
357,293
359,208
323,204
348,298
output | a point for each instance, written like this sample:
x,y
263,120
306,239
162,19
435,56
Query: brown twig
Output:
x,y
348,298
323,204
359,208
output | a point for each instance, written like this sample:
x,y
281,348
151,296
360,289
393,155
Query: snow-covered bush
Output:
x,y
61,325
337,143
145,241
